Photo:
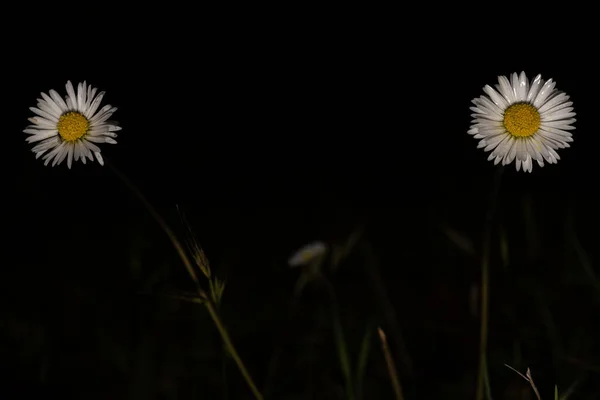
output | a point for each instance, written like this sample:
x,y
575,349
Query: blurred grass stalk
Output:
x,y
529,379
389,314
390,365
207,301
343,353
485,287
338,336
363,355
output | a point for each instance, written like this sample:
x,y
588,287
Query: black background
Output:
x,y
273,128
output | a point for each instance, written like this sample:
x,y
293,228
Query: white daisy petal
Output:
x,y
41,136
102,116
506,89
101,113
44,106
80,97
96,139
59,101
562,124
556,130
83,151
514,83
527,164
62,154
44,114
35,131
549,142
522,121
70,104
76,151
560,115
523,87
70,155
504,146
52,154
532,151
555,143
46,145
99,158
492,142
544,93
105,133
554,154
511,153
487,133
496,98
560,141
563,106
50,101
487,122
484,123
42,122
94,105
491,132
65,129
91,146
479,113
88,97
534,89
521,150
554,101
72,98
489,105
541,147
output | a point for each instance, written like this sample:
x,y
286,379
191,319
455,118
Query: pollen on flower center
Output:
x,y
522,119
72,126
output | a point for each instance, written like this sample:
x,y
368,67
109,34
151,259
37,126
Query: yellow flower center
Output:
x,y
522,119
72,126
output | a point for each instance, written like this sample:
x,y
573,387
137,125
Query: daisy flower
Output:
x,y
308,254
522,121
70,128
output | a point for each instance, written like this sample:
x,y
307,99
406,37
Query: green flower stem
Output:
x,y
188,265
485,278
